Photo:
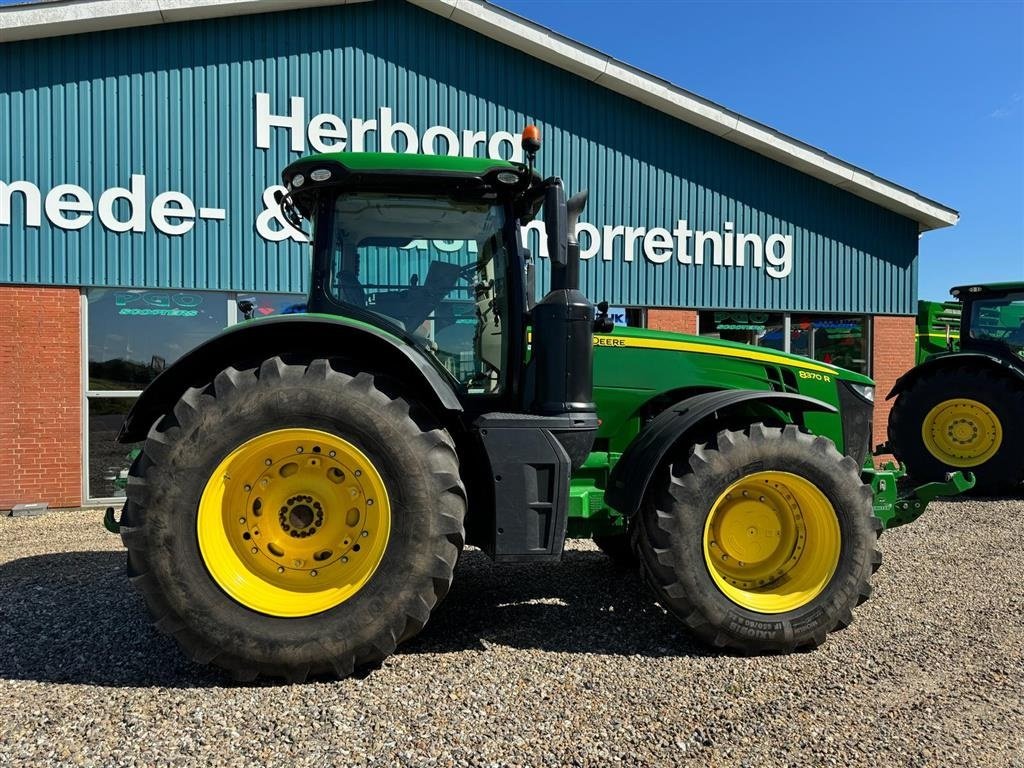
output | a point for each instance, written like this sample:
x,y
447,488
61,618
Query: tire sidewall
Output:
x,y
363,418
692,503
1003,470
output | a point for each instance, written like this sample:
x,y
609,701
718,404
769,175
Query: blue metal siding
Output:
x,y
177,104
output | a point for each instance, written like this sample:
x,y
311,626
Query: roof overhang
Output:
x,y
64,17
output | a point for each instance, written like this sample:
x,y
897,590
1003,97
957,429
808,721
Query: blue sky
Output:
x,y
928,95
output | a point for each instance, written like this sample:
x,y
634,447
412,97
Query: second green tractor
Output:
x,y
962,407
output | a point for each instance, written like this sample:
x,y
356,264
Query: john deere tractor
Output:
x,y
962,408
307,481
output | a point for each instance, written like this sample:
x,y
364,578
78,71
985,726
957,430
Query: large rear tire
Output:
x,y
961,419
761,541
294,520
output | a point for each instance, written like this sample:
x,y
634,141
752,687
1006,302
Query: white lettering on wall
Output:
x,y
173,205
330,133
135,196
124,209
658,246
119,209
30,196
57,206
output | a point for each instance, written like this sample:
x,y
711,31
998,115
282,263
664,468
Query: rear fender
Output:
x,y
953,359
632,474
294,338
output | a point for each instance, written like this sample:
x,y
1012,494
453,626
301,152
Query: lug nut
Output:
x,y
280,569
312,573
254,550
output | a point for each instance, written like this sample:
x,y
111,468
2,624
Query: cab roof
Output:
x,y
394,172
985,289
399,161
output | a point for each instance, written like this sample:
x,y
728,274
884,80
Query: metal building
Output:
x,y
140,145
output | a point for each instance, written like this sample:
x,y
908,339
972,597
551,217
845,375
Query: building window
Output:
x,y
636,317
841,341
132,336
107,458
834,339
762,329
266,304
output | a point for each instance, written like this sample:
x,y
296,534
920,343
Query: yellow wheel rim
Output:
x,y
772,542
293,522
962,432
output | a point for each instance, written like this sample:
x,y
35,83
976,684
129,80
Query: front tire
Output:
x,y
761,541
961,419
293,520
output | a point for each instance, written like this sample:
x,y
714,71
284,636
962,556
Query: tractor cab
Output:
x,y
429,249
992,319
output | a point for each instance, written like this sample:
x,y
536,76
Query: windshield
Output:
x,y
1000,319
434,267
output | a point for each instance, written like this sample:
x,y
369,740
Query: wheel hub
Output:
x,y
771,541
962,432
301,516
757,534
294,522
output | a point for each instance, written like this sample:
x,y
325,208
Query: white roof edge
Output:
x,y
74,17
566,53
65,18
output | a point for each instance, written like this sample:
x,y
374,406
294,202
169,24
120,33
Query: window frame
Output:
x,y
87,394
787,330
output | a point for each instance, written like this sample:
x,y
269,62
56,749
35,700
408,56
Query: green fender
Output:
x,y
298,337
631,475
948,359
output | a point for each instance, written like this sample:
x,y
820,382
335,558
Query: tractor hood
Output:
x,y
650,339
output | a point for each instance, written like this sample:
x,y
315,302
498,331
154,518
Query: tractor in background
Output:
x,y
962,407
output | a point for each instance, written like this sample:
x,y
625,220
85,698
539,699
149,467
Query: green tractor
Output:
x,y
962,408
307,481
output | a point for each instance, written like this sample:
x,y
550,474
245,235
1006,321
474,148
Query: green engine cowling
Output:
x,y
640,373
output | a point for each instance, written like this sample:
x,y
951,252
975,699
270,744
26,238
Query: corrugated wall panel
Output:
x,y
176,104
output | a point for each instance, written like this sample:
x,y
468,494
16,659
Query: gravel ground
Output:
x,y
568,664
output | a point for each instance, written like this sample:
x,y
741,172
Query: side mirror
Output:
x,y
574,207
529,279
247,306
556,224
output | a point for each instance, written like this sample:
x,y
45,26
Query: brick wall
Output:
x,y
677,320
40,396
892,355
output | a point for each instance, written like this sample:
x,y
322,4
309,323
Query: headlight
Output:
x,y
867,391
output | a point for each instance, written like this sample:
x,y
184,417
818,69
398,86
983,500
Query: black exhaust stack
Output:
x,y
533,454
563,321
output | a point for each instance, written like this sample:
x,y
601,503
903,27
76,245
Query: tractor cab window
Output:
x,y
1000,319
434,267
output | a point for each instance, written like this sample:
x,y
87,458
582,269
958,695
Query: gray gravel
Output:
x,y
568,664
